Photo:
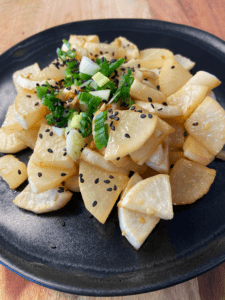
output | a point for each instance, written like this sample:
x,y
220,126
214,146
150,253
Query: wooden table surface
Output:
x,y
20,19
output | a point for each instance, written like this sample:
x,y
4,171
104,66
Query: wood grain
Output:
x,y
23,18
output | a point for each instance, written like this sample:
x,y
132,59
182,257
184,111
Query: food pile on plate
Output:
x,y
113,122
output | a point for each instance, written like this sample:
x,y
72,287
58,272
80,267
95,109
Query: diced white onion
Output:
x,y
87,66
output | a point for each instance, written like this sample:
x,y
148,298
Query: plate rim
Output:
x,y
191,32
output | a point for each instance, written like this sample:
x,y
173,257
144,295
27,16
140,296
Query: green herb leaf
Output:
x,y
101,135
115,65
85,125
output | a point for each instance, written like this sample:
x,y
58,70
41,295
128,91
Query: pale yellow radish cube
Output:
x,y
162,130
221,155
157,157
54,71
80,40
28,109
72,184
172,77
10,124
13,171
194,151
126,48
10,143
153,58
50,150
45,178
44,202
188,98
184,62
205,79
100,189
151,196
31,84
135,178
190,181
30,70
98,160
95,49
164,167
135,226
143,92
207,125
162,110
127,163
126,137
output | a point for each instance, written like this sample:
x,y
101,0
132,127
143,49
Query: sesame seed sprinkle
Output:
x,y
111,176
149,99
172,67
127,135
94,203
142,116
185,133
28,96
51,133
195,124
164,103
112,127
96,180
158,87
107,181
132,108
63,174
19,172
65,153
50,150
109,189
81,180
47,130
152,106
39,174
115,187
118,158
40,136
36,104
160,109
150,116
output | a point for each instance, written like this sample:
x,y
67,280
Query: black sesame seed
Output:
x,y
104,101
127,135
172,67
107,181
110,110
160,109
81,175
40,136
81,180
164,103
96,180
185,133
96,55
139,110
112,127
111,176
116,118
64,149
116,81
109,189
118,158
111,123
61,188
61,191
139,65
94,203
150,116
53,246
37,84
195,124
143,116
50,150
116,113
158,87
171,166
19,172
63,174
39,174
132,108
47,130
113,54
125,57
115,187
149,99
152,106
65,153
28,96
51,133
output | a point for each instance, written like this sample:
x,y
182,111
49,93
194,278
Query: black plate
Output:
x,y
91,258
